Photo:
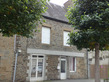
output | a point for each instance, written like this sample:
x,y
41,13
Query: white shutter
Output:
x,y
45,35
65,38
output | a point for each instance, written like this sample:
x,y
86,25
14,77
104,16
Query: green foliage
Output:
x,y
91,17
88,39
20,16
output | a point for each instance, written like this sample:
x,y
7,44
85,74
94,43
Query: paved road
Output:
x,y
80,80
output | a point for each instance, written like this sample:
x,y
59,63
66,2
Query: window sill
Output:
x,y
67,46
72,71
45,44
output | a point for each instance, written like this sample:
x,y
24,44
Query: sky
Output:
x,y
58,2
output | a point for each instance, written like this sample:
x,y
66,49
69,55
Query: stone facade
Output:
x,y
6,58
21,71
52,71
56,43
50,61
80,70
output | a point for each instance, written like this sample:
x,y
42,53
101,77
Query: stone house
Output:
x,y
47,56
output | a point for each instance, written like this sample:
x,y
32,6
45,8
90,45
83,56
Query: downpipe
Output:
x,y
15,67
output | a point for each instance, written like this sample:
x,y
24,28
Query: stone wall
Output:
x,y
21,71
6,58
56,43
56,38
52,71
81,69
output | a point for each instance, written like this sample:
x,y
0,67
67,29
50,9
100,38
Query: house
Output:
x,y
47,56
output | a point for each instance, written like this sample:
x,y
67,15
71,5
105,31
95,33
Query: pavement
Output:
x,y
78,80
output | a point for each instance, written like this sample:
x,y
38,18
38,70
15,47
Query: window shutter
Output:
x,y
65,38
45,35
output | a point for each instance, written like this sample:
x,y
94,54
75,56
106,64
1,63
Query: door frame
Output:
x,y
32,79
63,59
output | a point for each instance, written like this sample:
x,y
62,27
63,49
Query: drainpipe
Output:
x,y
15,59
16,52
88,67
15,67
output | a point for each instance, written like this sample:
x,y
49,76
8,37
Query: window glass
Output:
x,y
62,66
33,69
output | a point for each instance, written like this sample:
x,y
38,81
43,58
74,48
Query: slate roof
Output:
x,y
55,12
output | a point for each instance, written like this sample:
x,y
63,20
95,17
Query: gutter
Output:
x,y
66,22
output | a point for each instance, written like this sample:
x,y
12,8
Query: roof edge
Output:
x,y
57,20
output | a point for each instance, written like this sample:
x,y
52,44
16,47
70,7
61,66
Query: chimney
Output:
x,y
67,4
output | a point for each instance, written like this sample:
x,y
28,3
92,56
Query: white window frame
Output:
x,y
64,40
71,64
30,67
44,41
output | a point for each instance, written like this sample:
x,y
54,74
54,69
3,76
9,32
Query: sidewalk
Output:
x,y
78,80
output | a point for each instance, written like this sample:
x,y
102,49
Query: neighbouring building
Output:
x,y
104,64
6,58
69,3
46,56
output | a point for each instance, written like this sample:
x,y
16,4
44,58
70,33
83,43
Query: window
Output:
x,y
65,38
37,66
72,64
45,35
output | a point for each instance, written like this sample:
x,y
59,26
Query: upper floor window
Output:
x,y
45,35
65,38
72,64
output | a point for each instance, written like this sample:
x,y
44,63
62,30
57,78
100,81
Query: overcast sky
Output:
x,y
58,2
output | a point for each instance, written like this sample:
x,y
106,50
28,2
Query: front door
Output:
x,y
37,67
63,69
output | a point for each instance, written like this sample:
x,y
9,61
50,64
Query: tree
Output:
x,y
91,20
20,16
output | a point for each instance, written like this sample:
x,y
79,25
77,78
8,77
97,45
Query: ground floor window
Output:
x,y
37,67
72,64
